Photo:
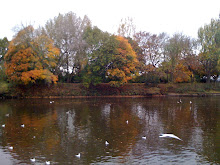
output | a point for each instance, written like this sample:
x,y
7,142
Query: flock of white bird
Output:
x,y
106,142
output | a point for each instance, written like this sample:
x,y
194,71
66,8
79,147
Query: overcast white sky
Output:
x,y
153,16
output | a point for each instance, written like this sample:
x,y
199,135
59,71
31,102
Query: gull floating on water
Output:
x,y
170,136
32,159
144,137
22,125
106,143
78,155
10,148
47,162
3,125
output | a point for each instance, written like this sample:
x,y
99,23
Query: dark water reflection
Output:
x,y
59,131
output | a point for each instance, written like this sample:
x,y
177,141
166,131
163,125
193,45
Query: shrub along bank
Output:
x,y
68,90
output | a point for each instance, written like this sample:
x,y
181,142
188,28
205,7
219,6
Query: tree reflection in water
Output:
x,y
59,131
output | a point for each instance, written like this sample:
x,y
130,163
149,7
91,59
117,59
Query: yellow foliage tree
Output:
x,y
31,58
124,64
182,73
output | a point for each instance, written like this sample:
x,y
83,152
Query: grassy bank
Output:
x,y
132,89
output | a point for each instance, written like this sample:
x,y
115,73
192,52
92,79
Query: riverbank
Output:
x,y
77,90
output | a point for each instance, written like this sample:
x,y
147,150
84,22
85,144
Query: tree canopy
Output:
x,y
100,54
69,49
3,50
124,64
31,58
210,48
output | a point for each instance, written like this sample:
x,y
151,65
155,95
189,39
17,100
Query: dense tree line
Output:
x,y
69,49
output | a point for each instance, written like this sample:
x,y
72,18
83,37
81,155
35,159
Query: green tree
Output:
x,y
100,53
209,53
31,58
3,50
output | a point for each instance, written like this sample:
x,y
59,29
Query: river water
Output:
x,y
57,131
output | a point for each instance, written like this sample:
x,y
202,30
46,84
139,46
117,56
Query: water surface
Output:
x,y
58,131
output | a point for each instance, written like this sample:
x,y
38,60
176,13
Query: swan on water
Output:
x,y
170,136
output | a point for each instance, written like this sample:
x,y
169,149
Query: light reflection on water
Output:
x,y
59,131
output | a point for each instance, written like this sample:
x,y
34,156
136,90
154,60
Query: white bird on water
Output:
x,y
10,148
106,143
32,159
127,121
190,102
144,137
3,125
22,125
170,136
78,155
47,162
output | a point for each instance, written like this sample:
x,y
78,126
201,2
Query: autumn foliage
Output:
x,y
31,58
76,51
124,65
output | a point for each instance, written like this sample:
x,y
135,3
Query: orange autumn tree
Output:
x,y
31,58
182,73
124,64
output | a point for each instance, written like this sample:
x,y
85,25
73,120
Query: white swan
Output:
x,y
3,125
170,136
78,155
22,125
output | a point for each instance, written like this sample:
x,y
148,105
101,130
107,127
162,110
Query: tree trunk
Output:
x,y
208,78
